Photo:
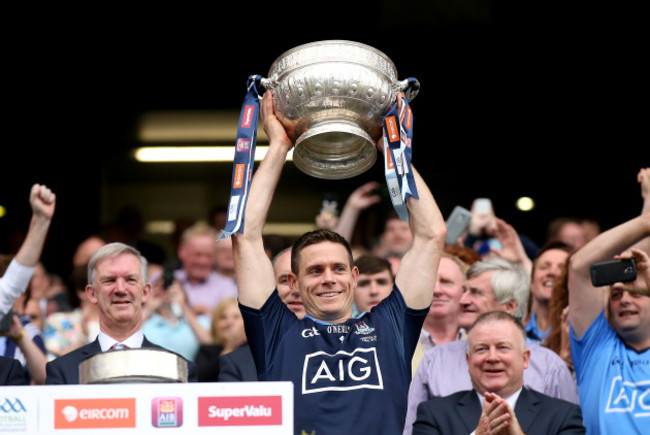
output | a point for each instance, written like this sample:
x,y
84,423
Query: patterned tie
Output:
x,y
119,346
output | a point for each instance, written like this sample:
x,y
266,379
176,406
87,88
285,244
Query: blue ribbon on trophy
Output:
x,y
242,171
398,138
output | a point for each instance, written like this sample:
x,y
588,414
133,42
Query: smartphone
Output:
x,y
457,223
168,278
482,206
5,324
610,272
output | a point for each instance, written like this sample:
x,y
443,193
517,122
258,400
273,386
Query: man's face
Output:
x,y
326,281
496,357
630,313
573,234
448,290
397,236
40,282
197,256
372,289
478,299
119,291
223,256
34,312
289,297
548,267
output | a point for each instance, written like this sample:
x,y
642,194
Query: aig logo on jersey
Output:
x,y
629,397
342,371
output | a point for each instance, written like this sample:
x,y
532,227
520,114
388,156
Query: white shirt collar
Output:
x,y
133,342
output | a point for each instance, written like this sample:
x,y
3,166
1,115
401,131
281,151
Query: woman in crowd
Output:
x,y
227,332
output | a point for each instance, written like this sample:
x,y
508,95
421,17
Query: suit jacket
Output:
x,y
460,412
65,369
11,372
238,366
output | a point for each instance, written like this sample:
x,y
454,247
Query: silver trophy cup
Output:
x,y
331,97
145,365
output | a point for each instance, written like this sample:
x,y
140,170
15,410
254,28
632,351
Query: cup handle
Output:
x,y
268,83
411,86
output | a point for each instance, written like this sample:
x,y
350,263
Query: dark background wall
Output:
x,y
536,99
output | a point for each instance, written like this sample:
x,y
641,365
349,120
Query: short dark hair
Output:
x,y
372,264
554,244
550,245
391,215
313,238
554,226
276,243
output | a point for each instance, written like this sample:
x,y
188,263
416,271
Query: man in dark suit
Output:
x,y
11,372
499,403
117,285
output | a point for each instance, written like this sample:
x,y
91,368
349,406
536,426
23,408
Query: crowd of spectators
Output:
x,y
585,345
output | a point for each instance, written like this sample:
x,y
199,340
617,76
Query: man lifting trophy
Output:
x,y
332,101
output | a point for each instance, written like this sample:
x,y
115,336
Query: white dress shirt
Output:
x,y
133,342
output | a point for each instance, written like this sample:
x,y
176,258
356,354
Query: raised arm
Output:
x,y
35,359
360,199
254,271
42,201
16,278
178,296
643,177
418,269
585,300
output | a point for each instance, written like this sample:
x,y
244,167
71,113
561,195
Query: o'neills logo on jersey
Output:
x,y
247,118
94,413
240,411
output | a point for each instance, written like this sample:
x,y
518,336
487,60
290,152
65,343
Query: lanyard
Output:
x,y
398,135
242,170
398,138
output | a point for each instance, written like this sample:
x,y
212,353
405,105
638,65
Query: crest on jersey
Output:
x,y
363,329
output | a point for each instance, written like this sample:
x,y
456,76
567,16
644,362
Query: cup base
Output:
x,y
334,150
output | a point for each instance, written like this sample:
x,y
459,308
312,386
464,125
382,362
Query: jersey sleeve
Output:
x,y
589,344
264,328
407,322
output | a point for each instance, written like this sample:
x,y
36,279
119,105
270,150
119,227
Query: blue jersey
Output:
x,y
613,381
351,377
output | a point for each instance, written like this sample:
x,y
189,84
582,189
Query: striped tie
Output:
x,y
118,346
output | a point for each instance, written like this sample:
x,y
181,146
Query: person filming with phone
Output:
x,y
610,327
